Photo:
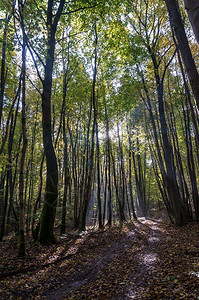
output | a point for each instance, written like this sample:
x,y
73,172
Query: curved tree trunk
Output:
x,y
50,202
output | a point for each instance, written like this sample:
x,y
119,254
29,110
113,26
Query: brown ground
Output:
x,y
147,260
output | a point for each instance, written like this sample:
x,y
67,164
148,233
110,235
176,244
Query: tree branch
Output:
x,y
80,8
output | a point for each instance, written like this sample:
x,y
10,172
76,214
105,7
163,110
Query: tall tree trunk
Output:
x,y
35,231
66,175
8,178
105,190
170,179
88,185
179,31
66,179
2,186
11,210
46,235
130,175
190,162
98,179
21,250
5,204
119,202
3,65
123,181
192,8
109,169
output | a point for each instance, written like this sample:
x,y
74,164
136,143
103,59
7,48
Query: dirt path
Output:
x,y
144,261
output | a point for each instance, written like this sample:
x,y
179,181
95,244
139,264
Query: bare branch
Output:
x,y
167,65
35,63
81,8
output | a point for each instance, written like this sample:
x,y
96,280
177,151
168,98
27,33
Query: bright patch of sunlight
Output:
x,y
56,255
195,274
73,249
153,239
149,258
112,134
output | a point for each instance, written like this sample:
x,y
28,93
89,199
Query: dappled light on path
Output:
x,y
144,260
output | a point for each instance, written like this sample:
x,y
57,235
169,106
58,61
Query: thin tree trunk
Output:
x,y
109,169
105,190
130,175
98,179
35,231
3,66
21,250
87,192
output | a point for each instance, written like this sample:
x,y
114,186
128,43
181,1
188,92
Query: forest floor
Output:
x,y
145,260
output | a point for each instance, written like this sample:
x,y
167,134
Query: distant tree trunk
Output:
x,y
74,174
35,231
16,98
192,8
66,173
63,121
130,175
105,190
84,168
88,184
66,179
140,183
2,186
98,179
11,210
5,203
8,177
3,63
21,250
179,31
109,169
30,169
123,181
119,202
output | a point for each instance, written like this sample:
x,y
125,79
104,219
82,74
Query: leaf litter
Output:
x,y
144,260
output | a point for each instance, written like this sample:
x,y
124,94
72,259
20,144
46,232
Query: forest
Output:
x,y
99,149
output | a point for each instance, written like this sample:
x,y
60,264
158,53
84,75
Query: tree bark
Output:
x,y
98,179
192,8
88,185
21,250
109,169
179,31
3,66
46,235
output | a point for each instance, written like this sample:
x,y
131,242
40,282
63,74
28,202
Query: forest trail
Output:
x,y
114,254
144,260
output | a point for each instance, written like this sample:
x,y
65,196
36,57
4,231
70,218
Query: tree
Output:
x,y
192,9
182,42
46,235
3,68
21,250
